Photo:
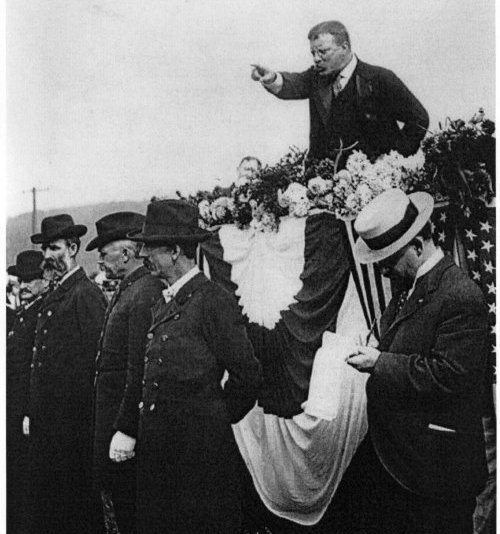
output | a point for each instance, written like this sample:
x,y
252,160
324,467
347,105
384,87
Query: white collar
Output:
x,y
170,292
68,274
346,73
428,264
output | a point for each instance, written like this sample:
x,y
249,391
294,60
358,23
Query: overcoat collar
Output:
x,y
65,285
424,288
163,312
133,277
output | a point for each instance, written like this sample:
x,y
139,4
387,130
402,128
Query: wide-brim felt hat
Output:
x,y
170,221
58,227
28,265
389,222
114,227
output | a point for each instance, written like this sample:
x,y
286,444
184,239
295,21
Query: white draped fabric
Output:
x,y
266,267
297,464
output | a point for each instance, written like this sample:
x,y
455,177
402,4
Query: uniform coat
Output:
x,y
68,327
187,456
20,341
430,372
367,111
118,383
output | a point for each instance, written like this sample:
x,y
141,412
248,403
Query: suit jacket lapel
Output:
x,y
424,287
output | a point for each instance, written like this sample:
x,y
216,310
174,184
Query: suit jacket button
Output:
x,y
164,337
45,331
152,407
34,349
39,364
176,317
11,333
49,313
21,320
150,335
160,361
32,365
155,385
141,405
146,359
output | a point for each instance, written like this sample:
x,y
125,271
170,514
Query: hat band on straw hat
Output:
x,y
395,232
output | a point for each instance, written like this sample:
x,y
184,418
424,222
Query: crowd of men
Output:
x,y
119,419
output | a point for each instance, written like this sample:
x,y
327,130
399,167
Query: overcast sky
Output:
x,y
125,99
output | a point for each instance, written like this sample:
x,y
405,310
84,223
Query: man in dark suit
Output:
x,y
352,105
67,331
120,365
19,352
187,456
423,461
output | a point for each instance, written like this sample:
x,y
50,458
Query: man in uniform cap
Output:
x,y
20,338
67,332
120,364
423,461
188,459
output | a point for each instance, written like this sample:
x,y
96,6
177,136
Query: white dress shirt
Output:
x,y
170,292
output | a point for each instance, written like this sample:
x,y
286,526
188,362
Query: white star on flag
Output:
x,y
486,226
492,308
492,288
486,246
493,329
441,236
494,349
471,255
470,234
476,275
442,217
488,267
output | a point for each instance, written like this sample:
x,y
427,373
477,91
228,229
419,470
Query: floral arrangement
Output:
x,y
456,162
460,160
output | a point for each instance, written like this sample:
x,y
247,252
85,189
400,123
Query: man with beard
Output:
x,y
67,332
120,365
188,458
423,461
351,104
19,352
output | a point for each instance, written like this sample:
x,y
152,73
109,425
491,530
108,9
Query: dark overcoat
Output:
x,y
424,394
366,111
187,455
69,323
120,367
20,339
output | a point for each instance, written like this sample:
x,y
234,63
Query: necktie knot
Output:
x,y
337,85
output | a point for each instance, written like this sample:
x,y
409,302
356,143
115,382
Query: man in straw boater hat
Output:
x,y
62,373
187,455
120,365
423,461
20,338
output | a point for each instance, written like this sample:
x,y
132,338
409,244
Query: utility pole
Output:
x,y
34,224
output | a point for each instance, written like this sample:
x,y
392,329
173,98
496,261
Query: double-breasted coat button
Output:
x,y
39,314
150,335
164,337
141,405
143,383
39,364
34,349
11,333
32,365
43,347
152,407
49,313
155,385
176,317
45,331
160,361
21,320
146,359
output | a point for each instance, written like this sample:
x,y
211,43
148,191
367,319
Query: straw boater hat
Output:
x,y
28,266
389,222
170,222
114,227
58,227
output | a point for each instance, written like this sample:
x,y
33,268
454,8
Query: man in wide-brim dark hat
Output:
x,y
187,459
120,364
423,461
65,346
19,352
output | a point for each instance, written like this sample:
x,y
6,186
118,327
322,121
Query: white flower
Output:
x,y
204,209
295,197
319,186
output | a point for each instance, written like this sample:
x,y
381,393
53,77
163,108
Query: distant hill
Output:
x,y
19,228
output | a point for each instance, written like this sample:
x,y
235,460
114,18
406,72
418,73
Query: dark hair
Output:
x,y
333,27
251,158
425,234
76,240
188,249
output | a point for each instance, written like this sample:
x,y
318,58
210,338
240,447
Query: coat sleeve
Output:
x,y
296,85
404,107
227,338
90,309
455,363
139,321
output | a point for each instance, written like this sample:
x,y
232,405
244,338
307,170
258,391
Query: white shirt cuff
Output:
x,y
274,87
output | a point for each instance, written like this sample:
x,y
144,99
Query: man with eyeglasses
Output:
x,y
352,105
119,368
423,461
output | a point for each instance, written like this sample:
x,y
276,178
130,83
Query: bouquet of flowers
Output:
x,y
460,160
